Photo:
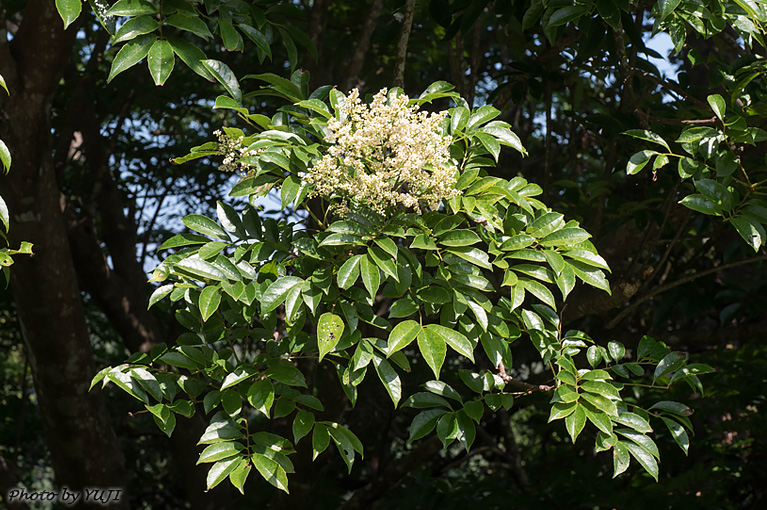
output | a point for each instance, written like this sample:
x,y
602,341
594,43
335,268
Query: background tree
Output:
x,y
569,87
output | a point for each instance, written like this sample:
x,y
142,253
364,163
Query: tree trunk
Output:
x,y
83,446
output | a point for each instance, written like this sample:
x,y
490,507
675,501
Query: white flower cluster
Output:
x,y
386,154
232,149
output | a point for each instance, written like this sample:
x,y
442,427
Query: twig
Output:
x,y
677,283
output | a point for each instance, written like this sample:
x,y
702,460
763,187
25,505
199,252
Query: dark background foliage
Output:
x,y
91,168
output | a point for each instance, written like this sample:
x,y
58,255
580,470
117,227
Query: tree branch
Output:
x,y
677,283
404,35
363,44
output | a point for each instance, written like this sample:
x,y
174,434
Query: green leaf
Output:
x,y
504,135
5,159
302,424
191,55
638,161
634,421
69,10
200,269
239,475
161,61
587,257
210,298
261,395
135,27
750,230
159,293
678,433
348,272
239,374
433,349
190,23
460,237
271,470
645,458
575,421
473,255
225,77
277,291
701,204
177,359
566,236
602,403
131,54
454,339
320,439
206,226
480,116
371,276
715,192
219,451
566,15
330,327
648,136
424,422
599,419
232,402
285,372
671,362
131,8
489,143
616,350
605,389
594,277
621,459
388,377
401,335
443,389
718,105
404,307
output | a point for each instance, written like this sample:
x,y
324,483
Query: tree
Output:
x,y
558,67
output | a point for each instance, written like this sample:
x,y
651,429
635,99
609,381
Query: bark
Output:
x,y
83,446
404,36
358,57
